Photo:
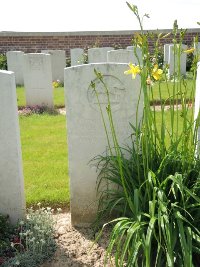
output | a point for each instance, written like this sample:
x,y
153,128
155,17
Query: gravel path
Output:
x,y
75,246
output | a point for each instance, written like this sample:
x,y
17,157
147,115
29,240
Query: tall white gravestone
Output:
x,y
197,49
174,61
38,79
121,56
86,135
136,51
58,63
166,53
98,54
77,56
15,64
12,200
197,103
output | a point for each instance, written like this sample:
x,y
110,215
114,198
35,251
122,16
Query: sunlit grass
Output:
x,y
44,151
58,97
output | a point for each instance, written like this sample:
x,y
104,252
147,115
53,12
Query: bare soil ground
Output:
x,y
76,246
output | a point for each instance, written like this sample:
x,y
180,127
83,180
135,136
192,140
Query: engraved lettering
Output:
x,y
116,91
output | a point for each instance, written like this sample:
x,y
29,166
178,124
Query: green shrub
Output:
x,y
3,62
34,239
189,61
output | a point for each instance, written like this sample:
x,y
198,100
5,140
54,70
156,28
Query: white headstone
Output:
x,y
136,51
77,56
15,64
38,79
58,63
166,53
173,65
197,48
197,103
12,200
98,54
121,56
86,135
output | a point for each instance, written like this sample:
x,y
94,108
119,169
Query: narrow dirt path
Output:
x,y
75,245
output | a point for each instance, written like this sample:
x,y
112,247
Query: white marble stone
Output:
x,y
197,49
77,56
137,51
174,61
197,104
12,201
38,79
121,56
86,135
15,64
166,53
98,54
58,63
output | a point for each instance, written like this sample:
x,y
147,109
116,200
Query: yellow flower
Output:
x,y
134,70
191,50
156,73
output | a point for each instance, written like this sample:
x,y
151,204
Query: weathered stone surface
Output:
x,y
38,79
58,63
174,61
136,51
12,201
98,54
121,56
15,64
77,56
86,135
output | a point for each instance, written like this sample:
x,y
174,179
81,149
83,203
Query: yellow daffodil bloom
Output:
x,y
191,50
134,70
156,73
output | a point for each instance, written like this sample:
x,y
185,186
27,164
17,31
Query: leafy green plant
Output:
x,y
68,62
6,233
3,62
155,200
36,241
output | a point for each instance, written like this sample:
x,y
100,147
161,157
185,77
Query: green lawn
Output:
x,y
167,88
58,94
44,152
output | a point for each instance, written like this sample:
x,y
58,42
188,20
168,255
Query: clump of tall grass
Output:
x,y
155,199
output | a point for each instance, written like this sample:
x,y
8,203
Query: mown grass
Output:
x,y
167,117
44,152
167,90
58,95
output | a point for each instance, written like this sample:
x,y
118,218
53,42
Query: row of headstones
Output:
x,y
106,54
37,70
17,59
86,136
